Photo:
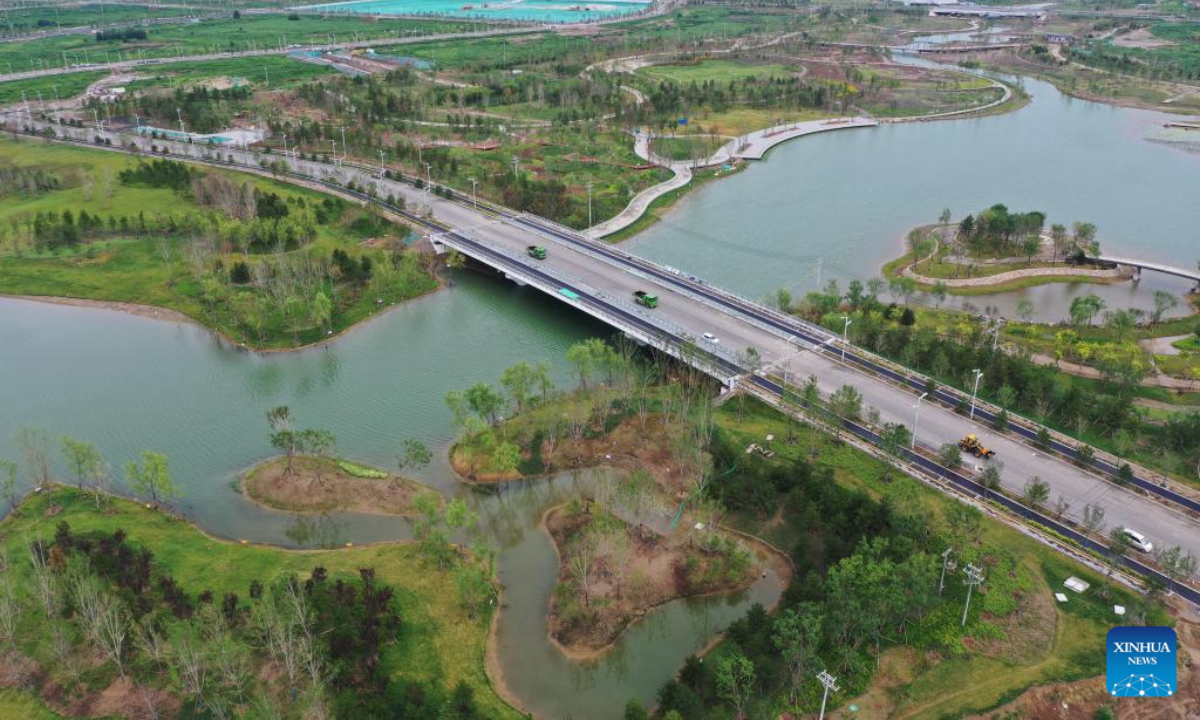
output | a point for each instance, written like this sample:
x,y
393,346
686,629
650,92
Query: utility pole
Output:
x,y
845,333
474,193
344,146
830,683
974,576
975,390
516,165
589,189
917,421
945,561
381,169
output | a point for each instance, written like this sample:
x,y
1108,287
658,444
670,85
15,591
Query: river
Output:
x,y
847,199
129,383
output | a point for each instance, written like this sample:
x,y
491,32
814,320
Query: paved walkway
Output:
x,y
747,147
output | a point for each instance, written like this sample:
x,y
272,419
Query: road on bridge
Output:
x,y
686,312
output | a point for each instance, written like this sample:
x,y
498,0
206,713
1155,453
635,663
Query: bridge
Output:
x,y
599,280
1193,275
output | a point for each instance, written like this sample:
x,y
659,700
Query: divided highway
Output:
x,y
605,278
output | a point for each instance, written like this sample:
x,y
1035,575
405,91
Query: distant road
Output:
x,y
381,42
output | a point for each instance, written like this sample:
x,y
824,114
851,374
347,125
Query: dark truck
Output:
x,y
536,251
645,299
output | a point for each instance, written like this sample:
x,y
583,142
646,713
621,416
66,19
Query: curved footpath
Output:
x,y
747,147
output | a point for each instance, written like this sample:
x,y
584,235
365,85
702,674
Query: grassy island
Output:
x,y
320,484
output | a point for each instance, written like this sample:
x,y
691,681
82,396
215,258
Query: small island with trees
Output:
x,y
306,478
997,249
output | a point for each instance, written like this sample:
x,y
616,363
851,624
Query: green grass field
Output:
x,y
60,86
219,35
132,269
438,642
721,72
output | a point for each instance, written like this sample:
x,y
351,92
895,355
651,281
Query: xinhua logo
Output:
x,y
1141,662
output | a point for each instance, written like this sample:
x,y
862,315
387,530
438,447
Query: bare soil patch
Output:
x,y
318,484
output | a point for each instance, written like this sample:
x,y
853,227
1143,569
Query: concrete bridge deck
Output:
x,y
601,280
1193,275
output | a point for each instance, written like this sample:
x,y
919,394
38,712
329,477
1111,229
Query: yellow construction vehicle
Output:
x,y
972,445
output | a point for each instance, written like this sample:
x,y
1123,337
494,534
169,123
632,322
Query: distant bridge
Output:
x,y
1193,275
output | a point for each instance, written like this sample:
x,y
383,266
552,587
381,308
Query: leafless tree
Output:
x,y
579,563
10,610
45,584
35,447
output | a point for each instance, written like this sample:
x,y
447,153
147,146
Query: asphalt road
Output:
x,y
679,312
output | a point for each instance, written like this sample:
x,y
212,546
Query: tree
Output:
x,y
1163,301
518,380
1085,308
894,439
8,483
939,292
1124,474
1085,238
1061,506
485,402
846,404
991,478
588,356
83,459
735,681
1093,518
1035,493
1026,310
950,456
1030,247
322,310
797,636
1000,422
1059,238
35,447
414,455
283,437
152,477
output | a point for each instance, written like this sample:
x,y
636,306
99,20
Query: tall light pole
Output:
x,y
428,178
344,146
381,168
916,421
474,193
830,683
996,334
589,189
975,390
845,333
179,114
974,576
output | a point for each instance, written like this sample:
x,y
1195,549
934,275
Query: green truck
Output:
x,y
645,299
536,251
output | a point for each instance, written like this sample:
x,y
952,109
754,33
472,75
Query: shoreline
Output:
x,y
767,553
415,487
156,312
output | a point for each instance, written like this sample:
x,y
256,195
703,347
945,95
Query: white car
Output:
x,y
1138,541
710,338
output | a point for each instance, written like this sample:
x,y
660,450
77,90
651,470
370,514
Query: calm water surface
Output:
x,y
129,383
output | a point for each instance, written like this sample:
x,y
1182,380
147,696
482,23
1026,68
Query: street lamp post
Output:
x,y
945,561
916,421
845,333
996,334
589,190
975,390
474,193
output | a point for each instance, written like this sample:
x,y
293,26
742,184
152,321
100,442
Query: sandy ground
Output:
x,y
319,485
147,311
1140,38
